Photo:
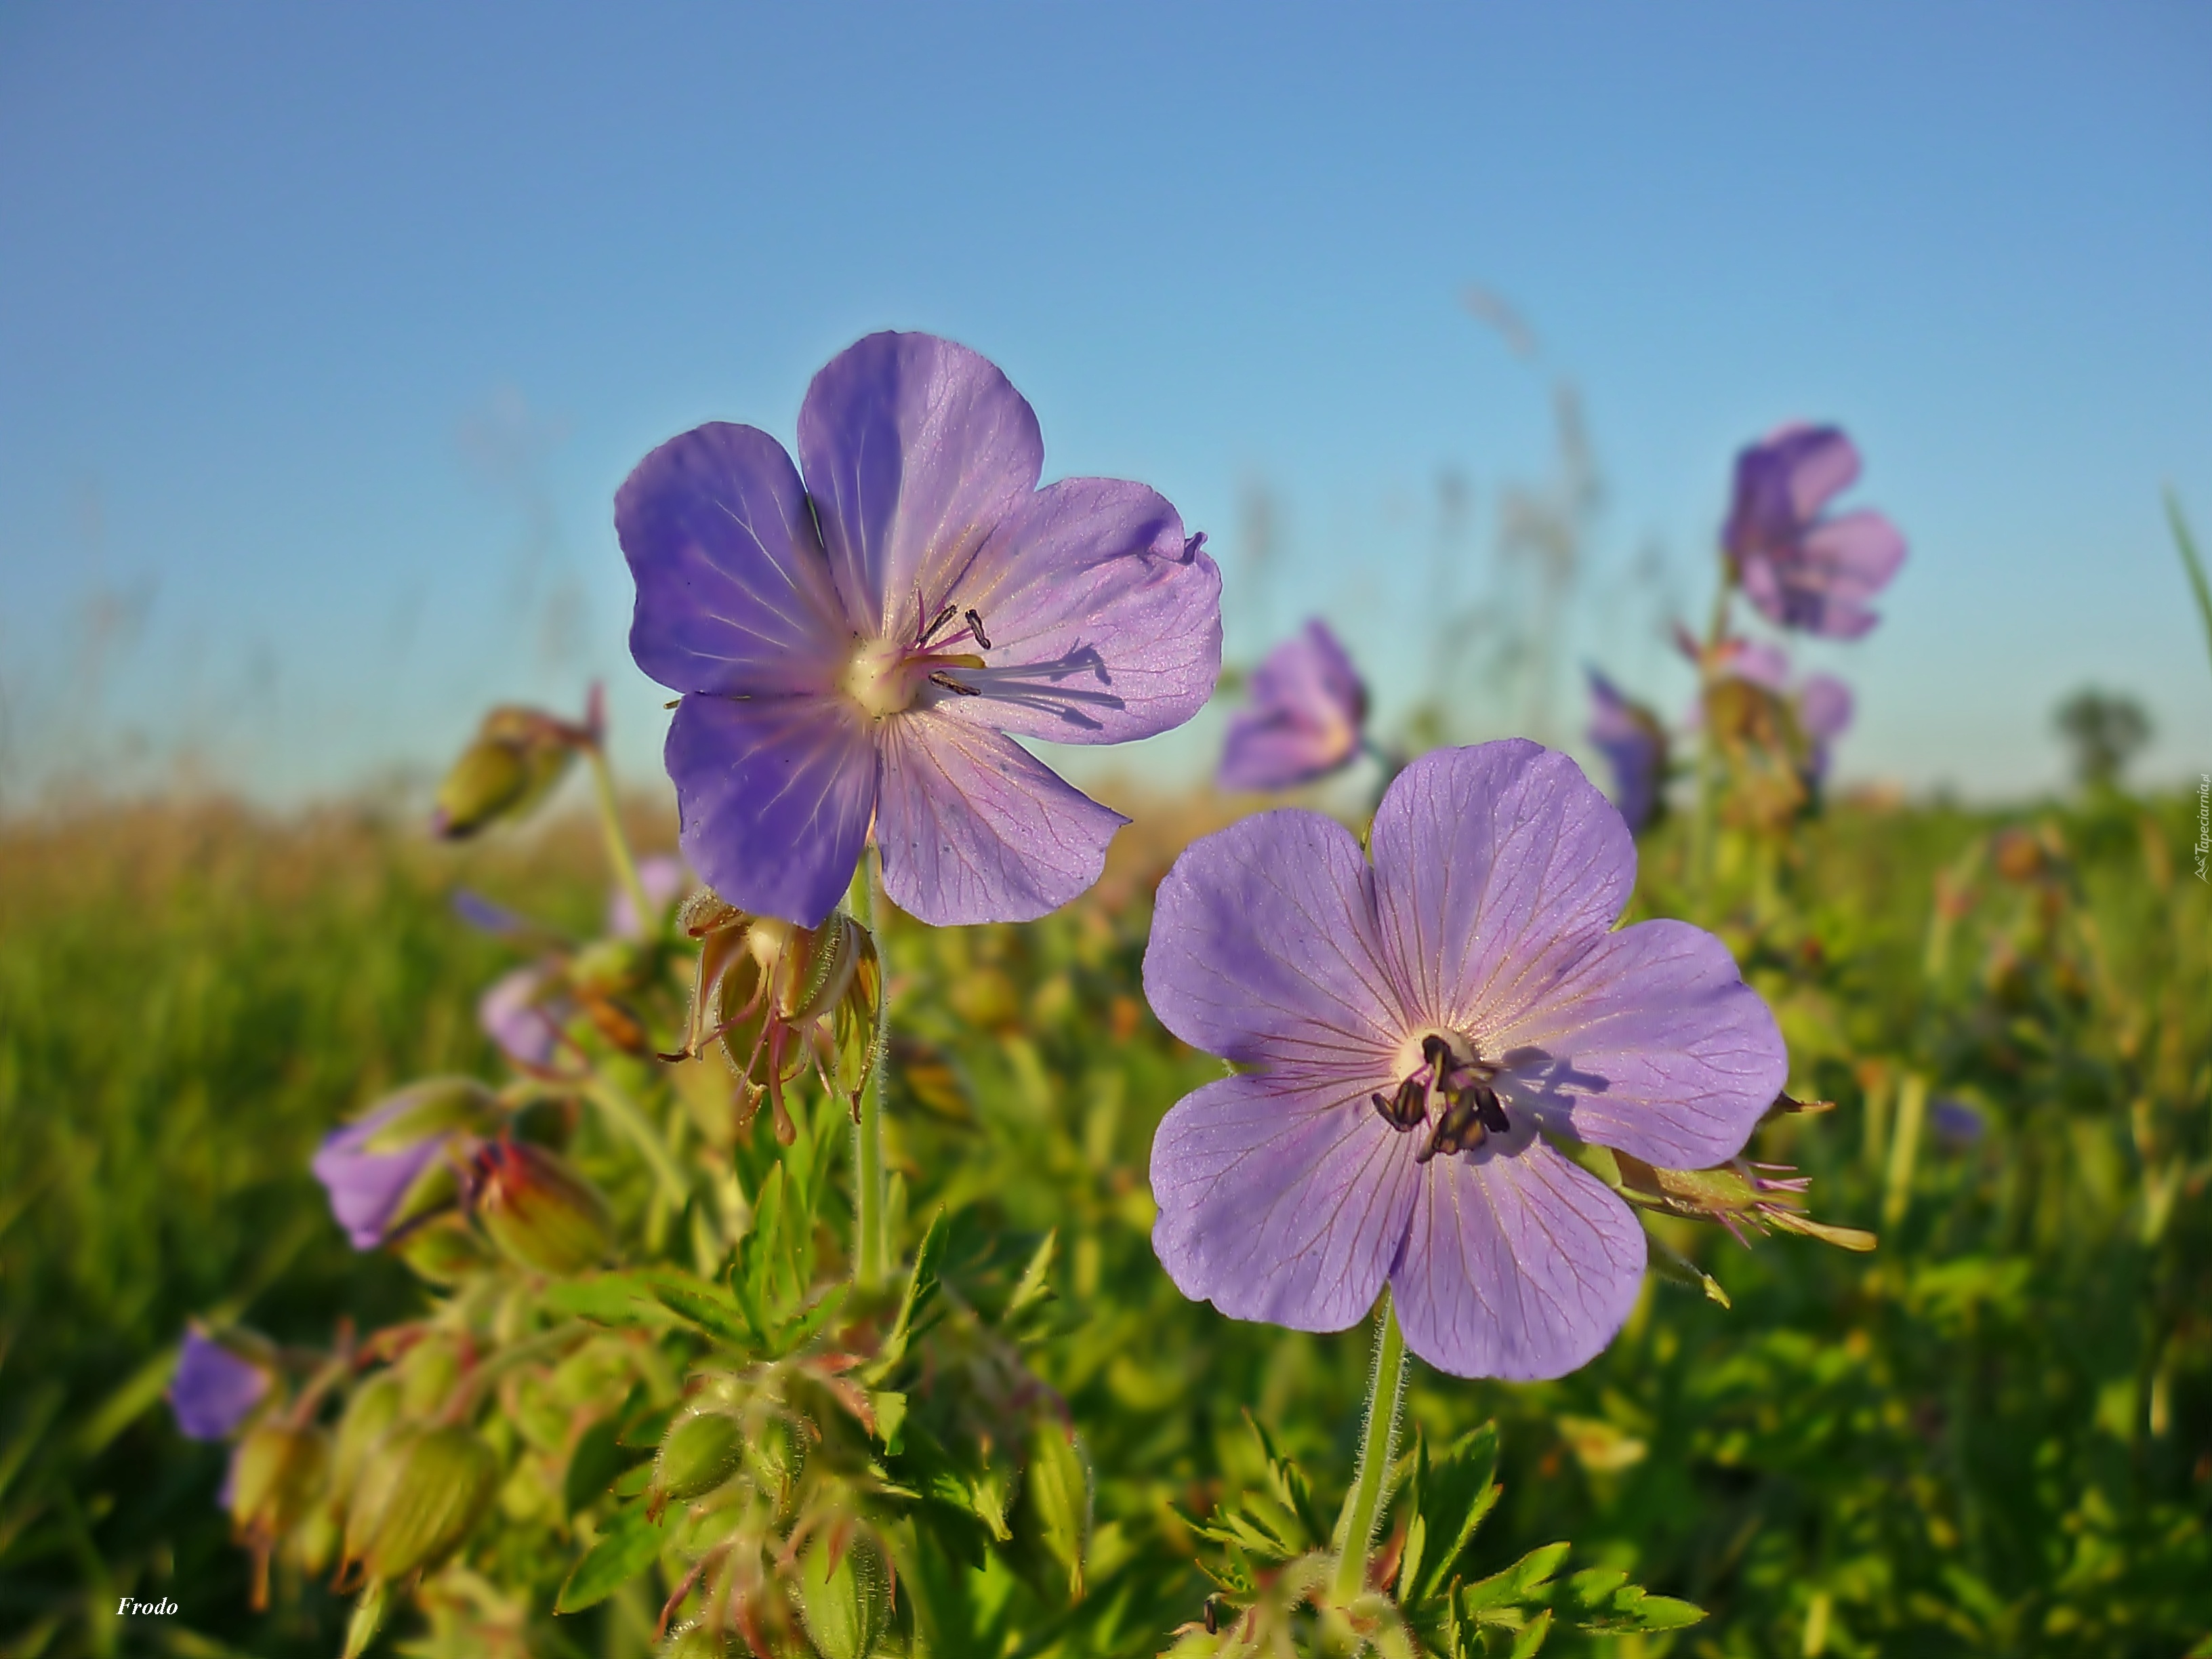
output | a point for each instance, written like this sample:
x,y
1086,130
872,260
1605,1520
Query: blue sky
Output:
x,y
326,333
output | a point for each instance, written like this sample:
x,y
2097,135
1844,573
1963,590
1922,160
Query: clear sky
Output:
x,y
328,332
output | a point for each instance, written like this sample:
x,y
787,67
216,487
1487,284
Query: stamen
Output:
x,y
975,626
951,684
943,617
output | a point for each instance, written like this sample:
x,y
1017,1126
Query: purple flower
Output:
x,y
865,645
516,1013
1824,714
1958,1123
1407,1036
365,1186
1803,568
1632,740
213,1390
664,878
1305,719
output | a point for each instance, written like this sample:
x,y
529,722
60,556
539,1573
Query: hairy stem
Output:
x,y
1377,1444
871,1251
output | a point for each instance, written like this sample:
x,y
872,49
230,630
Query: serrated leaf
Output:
x,y
1531,1639
921,1286
1526,1581
713,1310
890,1417
630,1544
1035,1286
616,1299
1453,1493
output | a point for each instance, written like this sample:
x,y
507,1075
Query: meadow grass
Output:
x,y
1993,1435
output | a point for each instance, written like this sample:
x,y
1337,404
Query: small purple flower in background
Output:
x,y
365,1186
1823,705
213,1390
516,1013
862,647
1634,743
1800,568
1307,717
1957,1124
487,916
664,878
1407,1033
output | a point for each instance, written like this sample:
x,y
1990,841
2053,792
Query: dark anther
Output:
x,y
1406,1109
951,684
975,626
1212,1616
1474,1112
943,617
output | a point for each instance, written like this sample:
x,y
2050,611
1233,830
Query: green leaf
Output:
x,y
1526,1583
368,1614
921,1286
1035,1287
599,1457
1531,1638
713,1310
630,1544
889,1407
617,1299
1452,1494
1600,1601
804,1329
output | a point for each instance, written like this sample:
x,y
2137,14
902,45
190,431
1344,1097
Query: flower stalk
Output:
x,y
1386,1391
610,809
871,1251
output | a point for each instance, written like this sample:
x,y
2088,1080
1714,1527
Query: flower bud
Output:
x,y
701,1451
538,1209
276,1476
844,1595
418,1497
374,1409
443,1252
427,1374
775,1453
697,1640
516,758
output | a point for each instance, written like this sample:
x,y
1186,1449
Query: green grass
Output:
x,y
1994,1435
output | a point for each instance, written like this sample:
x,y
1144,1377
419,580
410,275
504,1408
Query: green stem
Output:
x,y
870,1252
1377,1444
618,852
1702,827
629,1117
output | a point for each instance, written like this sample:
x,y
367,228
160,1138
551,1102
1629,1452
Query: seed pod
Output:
x,y
419,1497
538,1209
275,1476
372,1410
844,1595
775,1453
701,1450
427,1374
696,1640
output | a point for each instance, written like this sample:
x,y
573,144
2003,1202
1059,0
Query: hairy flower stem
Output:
x,y
1370,1481
871,1251
627,1116
618,852
1702,822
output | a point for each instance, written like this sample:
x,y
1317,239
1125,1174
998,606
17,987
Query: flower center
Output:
x,y
1443,1076
886,678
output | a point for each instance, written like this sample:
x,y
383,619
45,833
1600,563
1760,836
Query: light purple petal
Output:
x,y
913,449
1496,868
733,595
1824,707
1277,1205
1853,555
775,796
1308,711
1633,744
1651,1042
515,1015
1264,950
1819,462
1518,1264
364,1187
974,828
1105,619
1762,664
213,1390
664,878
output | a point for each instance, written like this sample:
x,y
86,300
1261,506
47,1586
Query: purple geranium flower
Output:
x,y
1632,740
1824,714
213,1390
664,878
856,647
366,1187
1308,711
1800,568
1406,1037
516,1013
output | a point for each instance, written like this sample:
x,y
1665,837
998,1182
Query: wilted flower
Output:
x,y
371,1166
537,1208
514,762
1406,1035
520,1011
664,878
1632,740
1308,711
856,648
1803,568
213,1390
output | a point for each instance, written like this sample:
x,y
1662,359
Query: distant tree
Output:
x,y
2104,730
